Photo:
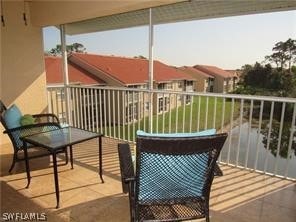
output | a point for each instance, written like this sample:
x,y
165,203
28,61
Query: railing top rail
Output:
x,y
55,86
219,95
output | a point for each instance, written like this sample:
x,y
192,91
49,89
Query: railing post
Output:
x,y
65,72
150,71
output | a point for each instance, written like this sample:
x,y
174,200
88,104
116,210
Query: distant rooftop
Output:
x,y
214,71
130,70
54,74
194,72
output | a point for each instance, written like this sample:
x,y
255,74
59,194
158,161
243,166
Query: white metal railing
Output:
x,y
262,135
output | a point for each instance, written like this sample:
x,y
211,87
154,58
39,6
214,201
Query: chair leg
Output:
x,y
217,170
13,162
207,210
132,202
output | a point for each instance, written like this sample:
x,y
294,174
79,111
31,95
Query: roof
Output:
x,y
178,12
54,74
215,71
130,71
236,73
194,72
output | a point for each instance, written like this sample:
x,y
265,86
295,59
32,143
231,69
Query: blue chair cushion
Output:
x,y
177,167
12,117
208,132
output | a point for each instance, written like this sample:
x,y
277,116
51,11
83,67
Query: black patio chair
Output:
x,y
173,176
43,122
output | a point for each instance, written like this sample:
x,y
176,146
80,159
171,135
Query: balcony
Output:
x,y
257,160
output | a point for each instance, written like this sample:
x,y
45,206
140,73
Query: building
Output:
x,y
237,74
91,69
133,73
224,81
204,82
55,79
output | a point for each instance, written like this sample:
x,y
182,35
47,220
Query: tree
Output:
x,y
284,54
75,47
140,57
265,80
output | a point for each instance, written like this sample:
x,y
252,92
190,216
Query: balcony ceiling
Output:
x,y
178,12
52,12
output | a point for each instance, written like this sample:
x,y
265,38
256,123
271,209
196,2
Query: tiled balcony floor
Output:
x,y
237,196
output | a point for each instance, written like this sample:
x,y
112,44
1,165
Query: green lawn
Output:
x,y
190,118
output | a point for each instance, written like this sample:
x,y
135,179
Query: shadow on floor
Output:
x,y
111,208
13,201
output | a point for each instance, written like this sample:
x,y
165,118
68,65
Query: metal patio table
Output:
x,y
57,140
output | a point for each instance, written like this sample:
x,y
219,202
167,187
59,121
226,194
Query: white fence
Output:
x,y
261,130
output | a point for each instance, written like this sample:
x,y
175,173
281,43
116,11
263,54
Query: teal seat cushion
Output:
x,y
208,132
12,117
176,167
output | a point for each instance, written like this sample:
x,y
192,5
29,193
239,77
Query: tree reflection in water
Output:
x,y
274,138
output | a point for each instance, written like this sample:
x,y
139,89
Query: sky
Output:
x,y
228,43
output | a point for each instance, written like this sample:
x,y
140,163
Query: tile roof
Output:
x,y
54,74
213,70
131,70
195,72
235,73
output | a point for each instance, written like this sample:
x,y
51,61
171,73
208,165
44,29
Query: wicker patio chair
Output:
x,y
43,122
173,176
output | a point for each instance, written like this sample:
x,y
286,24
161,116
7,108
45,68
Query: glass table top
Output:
x,y
56,139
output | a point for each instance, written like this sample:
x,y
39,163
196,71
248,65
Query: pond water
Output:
x,y
265,156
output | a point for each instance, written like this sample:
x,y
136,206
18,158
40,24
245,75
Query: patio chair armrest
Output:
x,y
126,166
46,117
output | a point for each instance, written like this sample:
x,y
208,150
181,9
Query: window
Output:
x,y
131,112
165,86
179,98
144,86
160,86
61,95
169,86
189,83
187,99
132,96
133,86
211,88
189,86
163,104
180,84
146,106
